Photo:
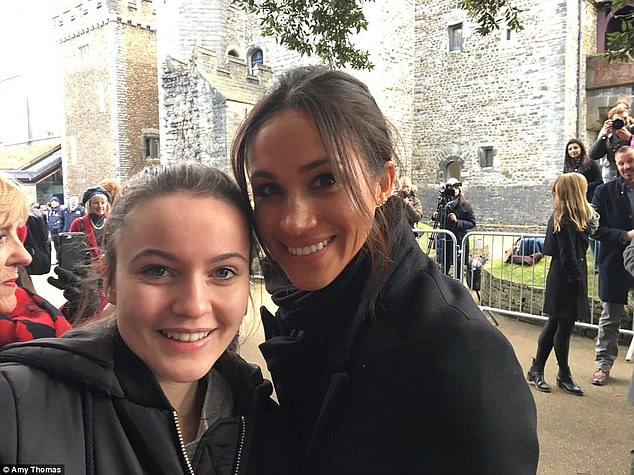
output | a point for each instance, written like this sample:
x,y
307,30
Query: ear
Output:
x,y
386,183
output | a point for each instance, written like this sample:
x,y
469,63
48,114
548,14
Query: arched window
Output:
x,y
453,170
233,53
256,57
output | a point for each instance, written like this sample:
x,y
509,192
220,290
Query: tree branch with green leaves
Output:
x,y
321,28
324,28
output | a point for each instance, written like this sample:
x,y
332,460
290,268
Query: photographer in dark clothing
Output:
x,y
454,214
616,131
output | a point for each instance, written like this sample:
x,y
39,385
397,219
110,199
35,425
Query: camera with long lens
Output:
x,y
618,123
447,191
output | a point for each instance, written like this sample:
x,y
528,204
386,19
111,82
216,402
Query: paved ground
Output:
x,y
589,435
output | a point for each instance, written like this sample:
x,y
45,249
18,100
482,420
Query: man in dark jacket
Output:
x,y
71,212
613,201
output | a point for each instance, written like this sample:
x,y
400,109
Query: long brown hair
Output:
x,y
349,123
569,199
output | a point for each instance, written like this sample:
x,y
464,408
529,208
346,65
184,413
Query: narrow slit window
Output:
x,y
455,37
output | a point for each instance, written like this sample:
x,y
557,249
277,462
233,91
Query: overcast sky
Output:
x,y
29,69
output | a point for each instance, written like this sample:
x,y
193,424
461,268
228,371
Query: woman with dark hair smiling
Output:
x,y
383,364
576,159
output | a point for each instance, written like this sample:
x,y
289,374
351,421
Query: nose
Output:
x,y
18,255
193,298
298,215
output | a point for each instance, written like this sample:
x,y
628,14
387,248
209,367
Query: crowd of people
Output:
x,y
381,362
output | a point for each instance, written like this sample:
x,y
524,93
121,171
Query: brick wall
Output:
x,y
110,88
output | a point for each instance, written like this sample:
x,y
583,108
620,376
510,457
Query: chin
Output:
x,y
8,305
186,376
308,284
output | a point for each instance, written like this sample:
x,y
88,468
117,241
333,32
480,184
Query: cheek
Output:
x,y
234,306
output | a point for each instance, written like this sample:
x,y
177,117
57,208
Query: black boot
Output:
x,y
536,375
565,382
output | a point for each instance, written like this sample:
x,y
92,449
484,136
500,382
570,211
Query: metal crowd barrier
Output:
x,y
512,289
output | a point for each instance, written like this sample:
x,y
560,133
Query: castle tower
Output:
x,y
108,50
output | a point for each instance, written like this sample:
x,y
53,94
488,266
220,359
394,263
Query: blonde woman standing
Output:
x,y
566,298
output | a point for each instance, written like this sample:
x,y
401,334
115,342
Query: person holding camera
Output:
x,y
616,131
454,213
412,206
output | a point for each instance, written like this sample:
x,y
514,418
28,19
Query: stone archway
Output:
x,y
450,163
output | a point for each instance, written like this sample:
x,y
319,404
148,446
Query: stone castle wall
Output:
x,y
516,94
204,103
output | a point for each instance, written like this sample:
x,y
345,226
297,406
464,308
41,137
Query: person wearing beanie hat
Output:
x,y
97,203
93,191
96,200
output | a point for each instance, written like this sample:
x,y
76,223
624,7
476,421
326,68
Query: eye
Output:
x,y
266,189
154,271
325,180
3,238
224,273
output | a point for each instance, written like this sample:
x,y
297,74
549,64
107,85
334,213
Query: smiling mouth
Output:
x,y
305,251
187,337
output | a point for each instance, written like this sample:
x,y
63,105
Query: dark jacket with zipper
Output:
x,y
87,402
427,385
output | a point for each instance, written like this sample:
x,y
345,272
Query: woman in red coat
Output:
x,y
23,314
96,200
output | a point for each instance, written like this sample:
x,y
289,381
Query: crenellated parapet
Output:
x,y
80,18
232,76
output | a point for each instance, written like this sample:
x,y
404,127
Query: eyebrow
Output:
x,y
169,256
302,168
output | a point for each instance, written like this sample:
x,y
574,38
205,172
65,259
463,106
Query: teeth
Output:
x,y
185,336
304,251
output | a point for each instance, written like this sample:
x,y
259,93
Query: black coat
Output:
x,y
465,218
612,204
567,282
90,404
428,386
